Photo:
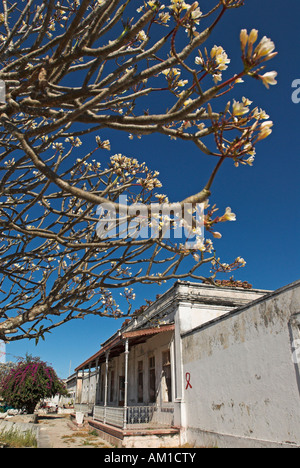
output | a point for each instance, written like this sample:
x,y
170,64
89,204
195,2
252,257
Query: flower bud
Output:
x,y
244,38
253,36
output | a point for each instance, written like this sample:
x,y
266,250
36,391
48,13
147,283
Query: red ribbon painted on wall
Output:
x,y
188,380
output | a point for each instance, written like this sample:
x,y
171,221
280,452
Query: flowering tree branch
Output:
x,y
71,69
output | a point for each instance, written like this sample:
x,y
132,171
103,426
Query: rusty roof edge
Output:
x,y
149,331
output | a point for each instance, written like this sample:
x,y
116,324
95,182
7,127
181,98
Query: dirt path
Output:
x,y
57,431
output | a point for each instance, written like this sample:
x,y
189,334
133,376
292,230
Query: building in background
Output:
x,y
2,352
213,366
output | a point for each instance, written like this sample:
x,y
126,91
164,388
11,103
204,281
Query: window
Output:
x,y
152,383
140,382
166,377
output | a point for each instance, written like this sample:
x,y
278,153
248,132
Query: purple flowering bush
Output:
x,y
28,383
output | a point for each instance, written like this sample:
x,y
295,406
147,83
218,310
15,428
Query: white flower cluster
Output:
x,y
261,53
177,7
122,163
215,64
103,144
74,141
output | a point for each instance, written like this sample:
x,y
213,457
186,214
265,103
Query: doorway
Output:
x,y
121,390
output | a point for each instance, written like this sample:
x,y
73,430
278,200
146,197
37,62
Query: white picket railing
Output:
x,y
84,408
99,413
114,416
143,416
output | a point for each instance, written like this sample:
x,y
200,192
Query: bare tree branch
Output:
x,y
72,69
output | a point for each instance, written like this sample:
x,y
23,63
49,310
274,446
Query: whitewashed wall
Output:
x,y
196,305
244,386
89,388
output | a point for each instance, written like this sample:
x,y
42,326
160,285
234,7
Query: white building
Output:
x,y
204,365
2,352
246,381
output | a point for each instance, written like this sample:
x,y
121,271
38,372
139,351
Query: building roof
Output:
x,y
115,346
140,328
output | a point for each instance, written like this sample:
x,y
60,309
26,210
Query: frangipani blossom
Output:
x,y
164,17
178,6
269,78
265,130
215,63
196,15
142,36
264,48
264,51
199,61
239,108
228,216
220,57
241,261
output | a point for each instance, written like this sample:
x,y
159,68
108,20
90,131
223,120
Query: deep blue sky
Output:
x,y
265,197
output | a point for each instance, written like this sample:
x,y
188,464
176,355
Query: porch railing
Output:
x,y
113,415
141,416
86,408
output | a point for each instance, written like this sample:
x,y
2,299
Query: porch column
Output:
x,y
173,380
106,385
76,399
89,392
81,395
126,384
97,379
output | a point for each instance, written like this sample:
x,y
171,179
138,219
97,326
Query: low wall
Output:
x,y
7,426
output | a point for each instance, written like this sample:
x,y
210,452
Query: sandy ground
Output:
x,y
58,431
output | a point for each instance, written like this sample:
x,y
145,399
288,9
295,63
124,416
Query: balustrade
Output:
x,y
143,416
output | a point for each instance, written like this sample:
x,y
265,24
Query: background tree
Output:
x,y
28,383
72,69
